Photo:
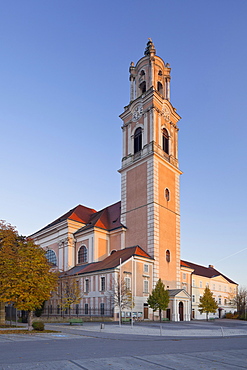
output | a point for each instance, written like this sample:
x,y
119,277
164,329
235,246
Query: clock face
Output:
x,y
137,112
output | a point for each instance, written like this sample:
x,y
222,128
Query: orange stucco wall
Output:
x,y
136,217
115,242
102,249
167,227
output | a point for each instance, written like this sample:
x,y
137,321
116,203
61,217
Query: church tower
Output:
x,y
150,171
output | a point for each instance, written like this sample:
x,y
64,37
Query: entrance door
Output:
x,y
145,311
168,313
193,313
181,311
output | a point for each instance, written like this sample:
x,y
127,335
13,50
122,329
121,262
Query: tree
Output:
x,y
121,295
8,236
26,276
70,292
207,302
159,299
240,300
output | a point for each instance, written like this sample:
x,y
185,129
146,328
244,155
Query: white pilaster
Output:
x,y
151,123
168,89
124,141
145,130
129,140
123,198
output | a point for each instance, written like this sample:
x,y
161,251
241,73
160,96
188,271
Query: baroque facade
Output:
x,y
137,238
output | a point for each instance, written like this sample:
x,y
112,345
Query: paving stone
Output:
x,y
51,365
191,362
233,358
116,363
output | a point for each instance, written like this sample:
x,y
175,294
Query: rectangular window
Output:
x,y
219,287
219,300
102,308
193,283
145,286
184,276
200,284
145,268
193,299
213,286
102,285
225,302
86,286
86,308
127,283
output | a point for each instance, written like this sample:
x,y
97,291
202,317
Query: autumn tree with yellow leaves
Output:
x,y
26,279
70,291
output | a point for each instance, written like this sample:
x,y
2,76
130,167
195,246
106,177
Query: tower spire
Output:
x,y
150,48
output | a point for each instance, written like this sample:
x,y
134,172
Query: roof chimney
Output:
x,y
211,266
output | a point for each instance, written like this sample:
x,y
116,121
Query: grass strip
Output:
x,y
16,331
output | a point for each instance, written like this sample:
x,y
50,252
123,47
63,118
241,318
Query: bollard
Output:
x,y
102,326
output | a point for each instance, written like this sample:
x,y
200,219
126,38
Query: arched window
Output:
x,y
142,73
160,87
143,87
165,141
168,256
138,140
167,194
51,257
82,254
160,73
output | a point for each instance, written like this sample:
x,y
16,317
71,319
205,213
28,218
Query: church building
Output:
x,y
138,238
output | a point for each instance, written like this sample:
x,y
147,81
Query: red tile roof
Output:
x,y
209,272
109,262
79,213
108,218
184,264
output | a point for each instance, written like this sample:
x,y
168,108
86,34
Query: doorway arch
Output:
x,y
181,311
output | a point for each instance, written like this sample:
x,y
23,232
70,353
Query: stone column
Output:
x,y
174,310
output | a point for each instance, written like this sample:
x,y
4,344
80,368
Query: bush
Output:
x,y
38,325
230,315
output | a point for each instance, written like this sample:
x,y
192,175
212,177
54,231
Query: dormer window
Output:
x,y
165,141
138,140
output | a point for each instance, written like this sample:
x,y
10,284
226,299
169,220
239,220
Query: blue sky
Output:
x,y
64,82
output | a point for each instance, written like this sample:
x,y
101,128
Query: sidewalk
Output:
x,y
187,329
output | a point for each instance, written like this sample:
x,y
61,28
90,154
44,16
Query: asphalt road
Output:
x,y
78,348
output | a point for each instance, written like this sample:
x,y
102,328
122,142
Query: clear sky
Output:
x,y
64,82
